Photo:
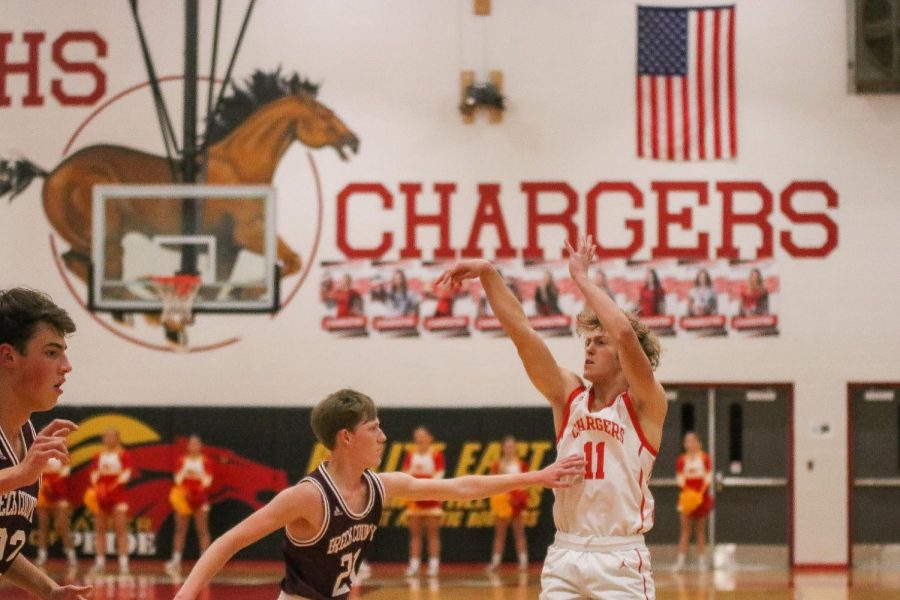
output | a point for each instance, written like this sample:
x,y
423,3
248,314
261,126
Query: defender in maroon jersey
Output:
x,y
328,562
330,516
33,367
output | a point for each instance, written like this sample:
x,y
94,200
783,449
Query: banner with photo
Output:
x,y
395,299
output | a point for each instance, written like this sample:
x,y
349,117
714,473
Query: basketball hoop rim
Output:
x,y
176,279
174,288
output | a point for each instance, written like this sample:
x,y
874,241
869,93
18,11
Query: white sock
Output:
x,y
433,565
495,559
42,554
100,560
70,555
523,560
123,561
176,556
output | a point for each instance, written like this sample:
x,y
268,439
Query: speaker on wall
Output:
x,y
875,46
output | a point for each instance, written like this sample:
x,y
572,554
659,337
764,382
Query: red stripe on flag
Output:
x,y
732,111
701,108
670,126
654,123
640,118
717,116
685,119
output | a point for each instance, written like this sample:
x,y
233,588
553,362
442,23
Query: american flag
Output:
x,y
685,83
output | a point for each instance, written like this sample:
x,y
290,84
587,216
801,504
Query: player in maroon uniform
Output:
x,y
33,367
330,516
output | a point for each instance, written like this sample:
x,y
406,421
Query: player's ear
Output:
x,y
7,354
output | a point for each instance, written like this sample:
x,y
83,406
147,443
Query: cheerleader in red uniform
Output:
x,y
693,471
189,497
424,516
107,497
508,508
53,500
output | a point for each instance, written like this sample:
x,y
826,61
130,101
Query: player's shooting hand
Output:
x,y
465,269
580,258
71,592
563,473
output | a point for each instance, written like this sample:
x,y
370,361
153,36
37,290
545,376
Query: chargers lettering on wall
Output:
x,y
355,206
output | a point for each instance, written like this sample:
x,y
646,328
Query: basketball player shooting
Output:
x,y
330,517
614,419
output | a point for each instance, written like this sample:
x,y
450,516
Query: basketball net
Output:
x,y
177,293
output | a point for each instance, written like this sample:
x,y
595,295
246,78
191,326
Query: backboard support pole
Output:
x,y
190,209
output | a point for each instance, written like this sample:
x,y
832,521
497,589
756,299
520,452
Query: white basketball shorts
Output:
x,y
608,568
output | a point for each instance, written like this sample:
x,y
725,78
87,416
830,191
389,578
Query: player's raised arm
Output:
x,y
645,390
554,382
288,506
560,474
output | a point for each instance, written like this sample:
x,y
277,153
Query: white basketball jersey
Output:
x,y
614,498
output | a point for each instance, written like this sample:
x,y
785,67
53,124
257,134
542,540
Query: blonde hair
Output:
x,y
589,322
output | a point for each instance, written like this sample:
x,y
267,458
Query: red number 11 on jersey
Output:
x,y
589,472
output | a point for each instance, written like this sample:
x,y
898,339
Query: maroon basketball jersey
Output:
x,y
324,567
16,507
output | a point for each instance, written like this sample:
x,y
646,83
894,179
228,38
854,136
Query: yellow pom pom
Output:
x,y
500,506
179,500
689,500
90,500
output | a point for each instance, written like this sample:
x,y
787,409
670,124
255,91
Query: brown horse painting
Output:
x,y
257,123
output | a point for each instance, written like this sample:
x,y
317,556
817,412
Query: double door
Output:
x,y
874,424
746,430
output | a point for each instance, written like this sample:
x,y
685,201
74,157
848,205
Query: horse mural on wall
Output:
x,y
246,138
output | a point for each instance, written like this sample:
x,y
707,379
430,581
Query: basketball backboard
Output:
x,y
225,234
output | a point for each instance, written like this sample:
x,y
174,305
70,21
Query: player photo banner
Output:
x,y
400,299
754,291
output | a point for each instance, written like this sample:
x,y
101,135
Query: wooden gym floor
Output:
x,y
259,581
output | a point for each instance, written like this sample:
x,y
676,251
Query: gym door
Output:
x,y
746,430
752,466
874,461
688,411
